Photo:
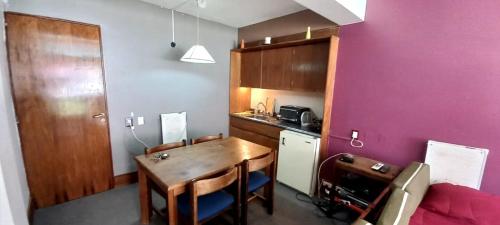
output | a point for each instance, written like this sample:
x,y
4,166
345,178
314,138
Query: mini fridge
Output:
x,y
298,161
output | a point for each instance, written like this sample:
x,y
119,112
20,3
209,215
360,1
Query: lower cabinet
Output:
x,y
255,132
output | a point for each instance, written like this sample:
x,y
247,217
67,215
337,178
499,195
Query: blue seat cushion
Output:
x,y
257,180
208,205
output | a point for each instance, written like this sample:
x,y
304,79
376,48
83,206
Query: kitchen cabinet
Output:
x,y
309,67
255,132
297,68
277,68
251,69
240,98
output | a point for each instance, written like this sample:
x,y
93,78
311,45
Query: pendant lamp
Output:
x,y
198,53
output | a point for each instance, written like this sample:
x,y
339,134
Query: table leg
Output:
x,y
144,196
172,208
267,188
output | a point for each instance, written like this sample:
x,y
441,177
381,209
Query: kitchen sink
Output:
x,y
260,117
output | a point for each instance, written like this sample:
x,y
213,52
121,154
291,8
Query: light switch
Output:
x,y
140,120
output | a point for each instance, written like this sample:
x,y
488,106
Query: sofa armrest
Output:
x,y
361,222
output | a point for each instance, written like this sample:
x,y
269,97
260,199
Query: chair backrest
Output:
x,y
206,138
260,163
164,147
210,185
408,190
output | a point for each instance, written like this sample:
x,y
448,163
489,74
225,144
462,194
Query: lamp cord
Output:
x,y
173,26
197,22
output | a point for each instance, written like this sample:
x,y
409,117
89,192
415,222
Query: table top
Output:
x,y
362,166
195,161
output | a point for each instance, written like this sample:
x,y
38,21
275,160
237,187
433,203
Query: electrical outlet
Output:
x,y
326,183
326,189
355,134
129,121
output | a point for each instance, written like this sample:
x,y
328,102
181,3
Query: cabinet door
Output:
x,y
277,68
251,69
309,67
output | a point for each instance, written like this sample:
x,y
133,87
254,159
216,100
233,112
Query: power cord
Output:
x,y
307,199
359,143
355,142
132,128
318,184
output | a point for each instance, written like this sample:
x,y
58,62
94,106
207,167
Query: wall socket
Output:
x,y
325,183
326,188
129,121
355,134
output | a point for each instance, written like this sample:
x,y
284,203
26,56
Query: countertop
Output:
x,y
282,124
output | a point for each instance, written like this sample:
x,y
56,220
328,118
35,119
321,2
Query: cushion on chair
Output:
x,y
256,180
426,217
208,205
467,205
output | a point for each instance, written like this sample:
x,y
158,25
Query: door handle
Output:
x,y
100,115
283,141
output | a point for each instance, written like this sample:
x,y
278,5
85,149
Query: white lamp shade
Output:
x,y
197,54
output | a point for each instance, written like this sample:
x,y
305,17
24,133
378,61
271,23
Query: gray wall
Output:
x,y
14,178
144,75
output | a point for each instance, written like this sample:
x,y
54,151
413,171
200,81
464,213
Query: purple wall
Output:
x,y
419,70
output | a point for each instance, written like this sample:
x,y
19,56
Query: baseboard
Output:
x,y
31,210
125,179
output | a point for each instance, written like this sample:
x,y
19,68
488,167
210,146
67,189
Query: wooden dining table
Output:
x,y
187,163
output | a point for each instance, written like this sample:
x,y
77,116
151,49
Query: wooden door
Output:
x,y
251,69
59,94
277,68
309,67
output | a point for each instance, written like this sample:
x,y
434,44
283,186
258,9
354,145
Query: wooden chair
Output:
x,y
164,147
206,198
159,148
206,138
253,179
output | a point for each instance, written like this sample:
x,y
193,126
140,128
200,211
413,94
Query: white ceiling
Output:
x,y
235,13
342,12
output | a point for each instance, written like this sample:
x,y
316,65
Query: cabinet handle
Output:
x,y
283,141
308,142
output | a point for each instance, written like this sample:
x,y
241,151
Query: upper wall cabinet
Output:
x,y
276,68
251,69
309,67
298,68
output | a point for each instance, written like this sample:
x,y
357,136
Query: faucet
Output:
x,y
264,105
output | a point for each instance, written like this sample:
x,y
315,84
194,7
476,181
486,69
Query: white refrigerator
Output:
x,y
298,161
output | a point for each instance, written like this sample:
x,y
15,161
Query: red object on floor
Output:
x,y
447,204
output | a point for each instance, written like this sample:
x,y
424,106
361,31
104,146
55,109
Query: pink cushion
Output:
x,y
426,217
459,204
